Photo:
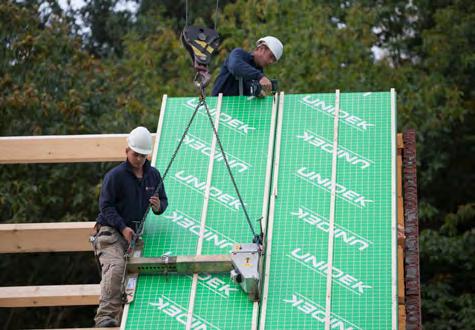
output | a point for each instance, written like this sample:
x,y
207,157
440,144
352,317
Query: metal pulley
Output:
x,y
201,43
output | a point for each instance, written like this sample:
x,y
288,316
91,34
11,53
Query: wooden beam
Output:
x,y
402,317
400,247
63,148
45,237
399,141
50,295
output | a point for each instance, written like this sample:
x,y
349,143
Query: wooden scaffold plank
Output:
x,y
50,295
45,237
63,148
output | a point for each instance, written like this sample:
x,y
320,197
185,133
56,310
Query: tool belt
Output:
x,y
95,234
93,239
97,231
104,233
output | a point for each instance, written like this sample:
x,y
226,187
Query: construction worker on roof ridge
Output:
x,y
241,68
127,191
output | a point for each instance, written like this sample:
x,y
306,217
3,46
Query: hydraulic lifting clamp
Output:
x,y
243,265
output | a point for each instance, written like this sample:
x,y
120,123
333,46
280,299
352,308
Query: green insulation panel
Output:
x,y
289,183
246,132
362,289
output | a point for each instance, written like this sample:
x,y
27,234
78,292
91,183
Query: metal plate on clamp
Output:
x,y
220,263
246,258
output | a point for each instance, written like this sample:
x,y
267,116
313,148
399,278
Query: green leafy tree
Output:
x,y
51,85
107,25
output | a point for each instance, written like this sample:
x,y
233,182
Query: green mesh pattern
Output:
x,y
362,258
161,302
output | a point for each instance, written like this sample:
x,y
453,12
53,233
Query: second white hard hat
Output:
x,y
274,45
140,140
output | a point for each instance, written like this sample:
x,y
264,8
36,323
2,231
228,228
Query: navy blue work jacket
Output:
x,y
239,64
124,197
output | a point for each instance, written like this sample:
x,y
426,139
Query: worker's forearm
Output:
x,y
163,205
163,197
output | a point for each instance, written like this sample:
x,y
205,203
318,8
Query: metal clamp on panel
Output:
x,y
246,258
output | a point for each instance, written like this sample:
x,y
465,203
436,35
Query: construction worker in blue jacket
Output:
x,y
127,191
241,68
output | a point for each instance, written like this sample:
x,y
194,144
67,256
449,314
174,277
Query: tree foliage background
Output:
x,y
103,68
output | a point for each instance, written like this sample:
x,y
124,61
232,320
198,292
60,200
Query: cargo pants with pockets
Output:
x,y
110,247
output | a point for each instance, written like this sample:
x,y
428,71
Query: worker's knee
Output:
x,y
111,283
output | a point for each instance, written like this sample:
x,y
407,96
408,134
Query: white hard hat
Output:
x,y
140,140
274,45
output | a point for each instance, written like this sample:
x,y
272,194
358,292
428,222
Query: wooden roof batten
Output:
x,y
63,148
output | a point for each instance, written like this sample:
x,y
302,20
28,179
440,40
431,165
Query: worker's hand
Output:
x,y
266,85
155,203
128,234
